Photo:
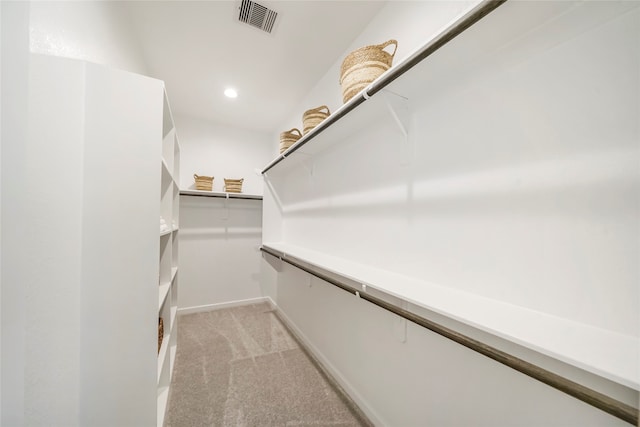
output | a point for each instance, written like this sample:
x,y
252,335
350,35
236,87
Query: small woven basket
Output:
x,y
363,66
233,185
160,332
312,118
288,138
203,182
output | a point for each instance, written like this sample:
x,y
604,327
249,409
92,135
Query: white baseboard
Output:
x,y
326,364
210,307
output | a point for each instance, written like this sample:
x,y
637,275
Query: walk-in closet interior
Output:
x,y
409,213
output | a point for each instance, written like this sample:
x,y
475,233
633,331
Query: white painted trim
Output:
x,y
219,306
271,302
371,414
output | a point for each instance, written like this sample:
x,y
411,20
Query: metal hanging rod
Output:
x,y
221,195
601,401
439,41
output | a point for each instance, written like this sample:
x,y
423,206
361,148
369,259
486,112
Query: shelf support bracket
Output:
x,y
399,326
307,162
399,109
273,192
226,208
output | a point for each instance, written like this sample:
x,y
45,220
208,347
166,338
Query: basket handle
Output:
x,y
387,43
195,176
320,108
297,130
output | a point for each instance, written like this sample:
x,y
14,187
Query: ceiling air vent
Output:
x,y
257,15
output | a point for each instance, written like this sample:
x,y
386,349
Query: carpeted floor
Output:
x,y
241,367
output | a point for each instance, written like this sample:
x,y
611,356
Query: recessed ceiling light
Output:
x,y
230,93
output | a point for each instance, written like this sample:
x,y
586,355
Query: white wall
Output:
x,y
94,31
518,182
219,239
219,256
520,187
212,149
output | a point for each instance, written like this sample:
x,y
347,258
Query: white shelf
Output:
x,y
165,233
174,313
605,353
167,119
165,167
345,121
162,355
172,360
163,398
174,270
406,78
163,291
223,195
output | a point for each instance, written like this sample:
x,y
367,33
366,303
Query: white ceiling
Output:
x,y
198,48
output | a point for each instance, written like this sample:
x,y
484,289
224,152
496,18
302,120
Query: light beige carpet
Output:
x,y
241,367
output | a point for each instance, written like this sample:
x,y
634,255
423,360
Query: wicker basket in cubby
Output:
x,y
160,332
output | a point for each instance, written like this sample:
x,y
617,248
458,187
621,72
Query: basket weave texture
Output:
x,y
312,118
363,66
288,138
160,332
203,182
233,185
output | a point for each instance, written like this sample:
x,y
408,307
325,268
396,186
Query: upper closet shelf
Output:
x,y
605,353
221,195
346,119
487,28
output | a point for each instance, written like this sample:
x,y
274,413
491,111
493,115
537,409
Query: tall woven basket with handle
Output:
x,y
363,66
203,182
312,118
288,138
233,185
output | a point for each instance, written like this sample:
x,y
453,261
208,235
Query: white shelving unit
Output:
x,y
96,137
169,248
416,175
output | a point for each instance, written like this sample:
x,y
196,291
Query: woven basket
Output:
x,y
288,138
363,66
233,185
160,332
203,182
312,118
